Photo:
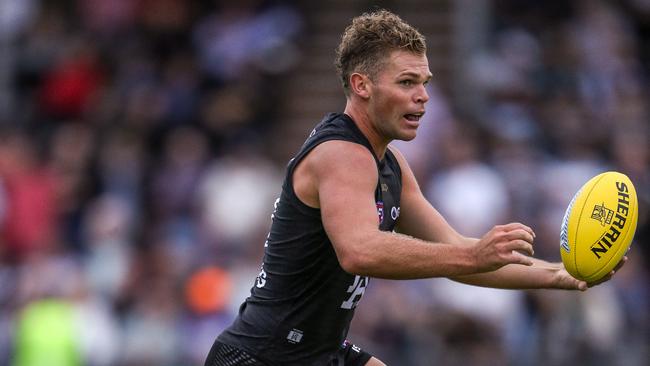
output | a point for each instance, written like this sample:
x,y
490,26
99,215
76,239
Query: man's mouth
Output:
x,y
413,117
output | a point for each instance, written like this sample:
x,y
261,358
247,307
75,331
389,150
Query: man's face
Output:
x,y
398,94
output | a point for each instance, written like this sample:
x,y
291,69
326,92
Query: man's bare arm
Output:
x,y
344,178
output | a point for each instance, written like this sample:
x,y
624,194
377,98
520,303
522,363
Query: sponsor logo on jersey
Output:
x,y
261,279
394,213
295,336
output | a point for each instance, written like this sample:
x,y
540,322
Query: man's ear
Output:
x,y
360,85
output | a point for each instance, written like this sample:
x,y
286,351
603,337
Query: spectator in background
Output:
x,y
46,334
243,35
29,226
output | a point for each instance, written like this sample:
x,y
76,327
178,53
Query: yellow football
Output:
x,y
598,226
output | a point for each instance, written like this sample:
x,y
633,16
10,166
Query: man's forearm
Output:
x,y
541,274
397,256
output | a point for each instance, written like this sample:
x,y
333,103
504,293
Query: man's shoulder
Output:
x,y
332,153
335,143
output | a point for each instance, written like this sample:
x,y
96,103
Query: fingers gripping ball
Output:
x,y
598,226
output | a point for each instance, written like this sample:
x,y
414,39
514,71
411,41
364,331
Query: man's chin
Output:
x,y
407,136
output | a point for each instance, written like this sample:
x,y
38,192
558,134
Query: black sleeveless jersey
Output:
x,y
302,302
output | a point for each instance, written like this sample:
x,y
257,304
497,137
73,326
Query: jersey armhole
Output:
x,y
391,155
288,186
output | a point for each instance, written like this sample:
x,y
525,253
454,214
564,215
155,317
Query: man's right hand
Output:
x,y
504,244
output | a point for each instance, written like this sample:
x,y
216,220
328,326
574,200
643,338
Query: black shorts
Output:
x,y
222,354
350,355
225,355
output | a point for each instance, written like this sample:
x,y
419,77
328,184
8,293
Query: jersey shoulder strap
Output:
x,y
335,126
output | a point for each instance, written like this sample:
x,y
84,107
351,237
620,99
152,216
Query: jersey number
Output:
x,y
356,291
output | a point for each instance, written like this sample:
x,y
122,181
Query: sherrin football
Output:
x,y
598,226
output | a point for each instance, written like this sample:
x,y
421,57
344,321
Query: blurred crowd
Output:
x,y
137,179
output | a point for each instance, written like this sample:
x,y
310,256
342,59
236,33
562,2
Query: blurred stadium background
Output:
x,y
142,144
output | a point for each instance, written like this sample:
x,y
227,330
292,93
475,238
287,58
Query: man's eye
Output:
x,y
406,82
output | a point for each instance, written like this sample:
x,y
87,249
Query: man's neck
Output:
x,y
364,122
